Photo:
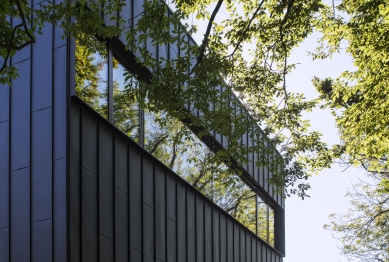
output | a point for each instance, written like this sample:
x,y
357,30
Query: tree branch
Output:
x,y
206,35
246,29
10,47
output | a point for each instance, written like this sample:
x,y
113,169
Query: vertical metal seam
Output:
x,y
52,144
114,195
176,217
98,189
128,201
165,215
30,149
67,86
154,213
80,180
9,160
110,84
186,223
142,204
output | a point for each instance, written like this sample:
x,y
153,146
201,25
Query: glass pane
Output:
x,y
92,74
271,227
262,220
126,112
241,204
179,149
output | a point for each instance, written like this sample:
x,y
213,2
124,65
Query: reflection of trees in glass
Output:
x,y
91,73
125,106
184,153
167,139
265,222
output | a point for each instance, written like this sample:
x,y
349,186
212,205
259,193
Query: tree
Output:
x,y
359,99
224,60
364,229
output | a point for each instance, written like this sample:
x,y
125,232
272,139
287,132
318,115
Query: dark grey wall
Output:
x,y
127,206
33,153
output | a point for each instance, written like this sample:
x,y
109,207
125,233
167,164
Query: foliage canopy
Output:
x,y
247,52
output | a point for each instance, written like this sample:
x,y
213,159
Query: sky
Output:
x,y
306,238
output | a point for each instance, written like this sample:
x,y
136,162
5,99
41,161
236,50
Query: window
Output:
x,y
104,84
92,74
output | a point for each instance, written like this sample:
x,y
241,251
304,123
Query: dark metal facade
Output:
x,y
74,188
33,224
125,205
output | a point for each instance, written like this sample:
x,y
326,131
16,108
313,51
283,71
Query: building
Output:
x,y
78,185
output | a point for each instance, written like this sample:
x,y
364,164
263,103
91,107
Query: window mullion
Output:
x,y
110,85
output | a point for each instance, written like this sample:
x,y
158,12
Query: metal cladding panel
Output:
x,y
41,71
223,255
216,232
4,175
4,102
268,255
171,241
230,240
135,255
74,242
223,232
148,234
106,249
4,244
190,210
181,222
253,249
20,215
121,225
191,247
148,182
259,251
199,228
208,251
75,165
59,110
242,245
208,221
41,238
106,183
89,216
121,163
89,142
264,252
236,242
171,203
248,247
160,213
20,118
135,198
41,165
59,211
